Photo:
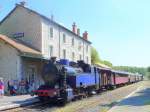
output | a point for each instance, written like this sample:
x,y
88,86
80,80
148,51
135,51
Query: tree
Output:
x,y
107,63
96,59
148,73
148,69
94,56
139,70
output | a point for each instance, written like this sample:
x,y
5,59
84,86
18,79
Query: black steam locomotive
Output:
x,y
67,82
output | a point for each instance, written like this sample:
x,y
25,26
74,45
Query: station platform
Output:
x,y
138,101
8,102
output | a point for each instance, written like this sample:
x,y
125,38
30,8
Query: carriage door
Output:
x,y
31,74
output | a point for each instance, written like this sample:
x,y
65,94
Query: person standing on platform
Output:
x,y
22,85
1,88
27,86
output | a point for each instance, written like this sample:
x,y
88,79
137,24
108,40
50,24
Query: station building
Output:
x,y
27,38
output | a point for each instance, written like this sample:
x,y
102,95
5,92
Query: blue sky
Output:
x,y
118,29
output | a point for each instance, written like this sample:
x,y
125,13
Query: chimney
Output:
x,y
78,32
23,3
74,28
85,35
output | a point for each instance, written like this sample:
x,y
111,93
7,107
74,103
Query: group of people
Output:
x,y
22,87
15,87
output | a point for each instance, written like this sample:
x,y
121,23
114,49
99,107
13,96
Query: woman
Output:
x,y
1,88
22,86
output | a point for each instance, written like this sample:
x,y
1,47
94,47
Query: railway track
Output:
x,y
41,106
104,100
100,103
38,105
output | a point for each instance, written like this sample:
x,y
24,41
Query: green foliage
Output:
x,y
96,59
148,73
94,56
148,69
140,70
107,63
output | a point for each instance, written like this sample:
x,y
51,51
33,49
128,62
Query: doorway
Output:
x,y
31,75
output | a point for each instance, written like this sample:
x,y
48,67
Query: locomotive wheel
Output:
x,y
61,102
42,99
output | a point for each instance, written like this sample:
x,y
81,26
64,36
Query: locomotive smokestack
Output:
x,y
23,3
53,60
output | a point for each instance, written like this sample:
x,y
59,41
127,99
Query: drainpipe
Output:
x,y
59,42
83,51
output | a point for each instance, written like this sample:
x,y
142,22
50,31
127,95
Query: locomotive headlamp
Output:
x,y
56,86
55,93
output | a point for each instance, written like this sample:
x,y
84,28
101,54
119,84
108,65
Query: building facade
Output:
x,y
31,38
45,35
19,61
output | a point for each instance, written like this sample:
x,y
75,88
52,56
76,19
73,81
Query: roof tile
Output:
x,y
19,46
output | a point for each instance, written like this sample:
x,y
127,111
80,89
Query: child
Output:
x,y
12,90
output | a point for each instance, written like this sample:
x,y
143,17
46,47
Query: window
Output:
x,y
64,38
50,51
72,41
80,57
79,47
87,48
73,56
51,32
87,59
64,54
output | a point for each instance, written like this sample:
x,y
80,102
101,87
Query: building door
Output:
x,y
31,76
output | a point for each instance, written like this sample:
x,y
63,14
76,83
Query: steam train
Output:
x,y
66,81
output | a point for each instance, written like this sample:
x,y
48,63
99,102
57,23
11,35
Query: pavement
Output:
x,y
8,102
137,101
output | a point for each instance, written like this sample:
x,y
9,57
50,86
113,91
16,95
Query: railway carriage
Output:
x,y
139,77
120,77
105,76
132,78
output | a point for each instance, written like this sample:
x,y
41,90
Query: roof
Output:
x,y
46,18
102,65
25,50
121,72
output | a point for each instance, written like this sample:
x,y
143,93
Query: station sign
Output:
x,y
18,35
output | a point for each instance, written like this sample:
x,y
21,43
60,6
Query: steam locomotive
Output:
x,y
66,81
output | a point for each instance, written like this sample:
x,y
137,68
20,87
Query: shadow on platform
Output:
x,y
140,98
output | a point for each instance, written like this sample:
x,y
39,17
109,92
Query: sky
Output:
x,y
118,29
